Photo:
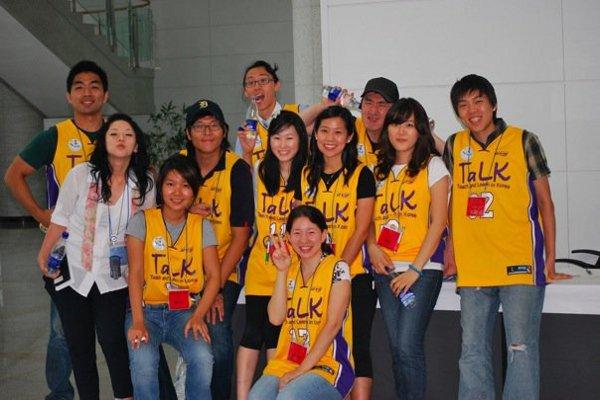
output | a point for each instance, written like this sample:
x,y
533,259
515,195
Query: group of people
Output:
x,y
317,215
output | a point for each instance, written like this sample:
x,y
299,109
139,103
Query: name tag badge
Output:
x,y
117,260
179,299
390,236
475,206
296,353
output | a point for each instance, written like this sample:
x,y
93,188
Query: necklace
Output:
x,y
114,235
329,178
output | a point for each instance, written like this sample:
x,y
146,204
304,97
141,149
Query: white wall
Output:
x,y
543,58
203,47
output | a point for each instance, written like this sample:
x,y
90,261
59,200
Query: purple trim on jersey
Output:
x,y
52,186
438,255
341,353
242,267
537,237
367,266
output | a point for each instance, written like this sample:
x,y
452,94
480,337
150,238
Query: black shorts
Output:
x,y
259,330
364,301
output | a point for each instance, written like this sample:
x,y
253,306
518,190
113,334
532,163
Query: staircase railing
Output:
x,y
127,26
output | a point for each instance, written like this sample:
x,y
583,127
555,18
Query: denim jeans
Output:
x,y
221,335
406,331
166,326
58,361
522,309
306,387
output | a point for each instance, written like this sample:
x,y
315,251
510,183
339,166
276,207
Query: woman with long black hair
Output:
x,y
276,179
340,186
90,290
410,216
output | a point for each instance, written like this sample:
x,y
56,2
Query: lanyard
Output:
x,y
171,245
291,300
335,192
81,141
113,236
491,164
286,196
216,189
403,173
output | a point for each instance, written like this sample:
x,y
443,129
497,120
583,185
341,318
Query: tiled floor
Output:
x,y
24,321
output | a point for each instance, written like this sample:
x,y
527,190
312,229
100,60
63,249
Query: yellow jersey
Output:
x,y
503,246
307,305
364,147
338,204
216,192
167,260
72,148
271,213
402,202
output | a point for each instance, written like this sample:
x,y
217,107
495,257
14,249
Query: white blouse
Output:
x,y
70,211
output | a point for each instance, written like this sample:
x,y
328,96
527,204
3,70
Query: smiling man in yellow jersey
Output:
x,y
261,86
502,220
59,149
225,199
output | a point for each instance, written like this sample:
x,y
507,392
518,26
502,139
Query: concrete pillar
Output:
x,y
19,122
308,65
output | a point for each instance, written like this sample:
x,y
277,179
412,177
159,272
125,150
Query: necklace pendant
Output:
x,y
113,239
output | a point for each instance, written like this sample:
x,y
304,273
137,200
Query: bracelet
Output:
x,y
417,270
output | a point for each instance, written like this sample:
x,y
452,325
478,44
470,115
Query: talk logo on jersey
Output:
x,y
75,145
467,153
159,243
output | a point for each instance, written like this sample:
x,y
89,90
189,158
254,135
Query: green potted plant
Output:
x,y
166,135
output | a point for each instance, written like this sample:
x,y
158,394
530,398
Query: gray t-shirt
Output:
x,y
136,227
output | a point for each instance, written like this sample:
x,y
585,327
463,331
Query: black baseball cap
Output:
x,y
202,108
386,88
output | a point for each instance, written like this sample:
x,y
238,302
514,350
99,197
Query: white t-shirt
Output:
x,y
70,212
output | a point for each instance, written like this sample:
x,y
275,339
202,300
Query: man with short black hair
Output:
x,y
501,219
59,149
377,98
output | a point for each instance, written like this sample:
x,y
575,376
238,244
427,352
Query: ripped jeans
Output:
x,y
522,309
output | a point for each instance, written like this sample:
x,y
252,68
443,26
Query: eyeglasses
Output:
x,y
213,128
259,82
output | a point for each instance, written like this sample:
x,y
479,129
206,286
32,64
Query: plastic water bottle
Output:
x,y
252,120
332,92
347,100
408,298
58,253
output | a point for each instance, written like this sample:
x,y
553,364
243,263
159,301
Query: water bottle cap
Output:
x,y
53,263
65,235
